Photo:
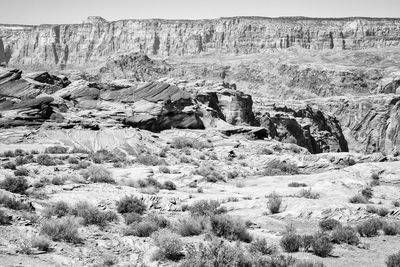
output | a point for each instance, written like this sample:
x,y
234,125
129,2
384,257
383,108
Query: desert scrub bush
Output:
x,y
149,182
391,228
169,185
329,224
169,245
56,150
63,229
19,161
15,184
132,217
276,167
150,160
345,235
261,245
41,243
142,229
372,209
104,155
81,165
306,242
98,174
78,150
307,193
158,219
322,245
4,218
380,211
92,215
232,174
57,180
187,142
9,165
131,204
290,242
184,159
211,174
21,172
8,154
358,199
274,203
367,192
230,228
59,209
73,160
164,169
396,203
45,160
296,184
393,260
14,204
206,208
216,253
369,227
383,212
191,225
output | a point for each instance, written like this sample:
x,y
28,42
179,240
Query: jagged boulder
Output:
x,y
305,127
232,106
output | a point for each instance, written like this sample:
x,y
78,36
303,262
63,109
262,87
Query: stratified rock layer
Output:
x,y
92,41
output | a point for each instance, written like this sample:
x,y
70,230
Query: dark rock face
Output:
x,y
20,103
372,122
311,129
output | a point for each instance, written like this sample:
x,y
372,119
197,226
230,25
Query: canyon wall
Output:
x,y
90,42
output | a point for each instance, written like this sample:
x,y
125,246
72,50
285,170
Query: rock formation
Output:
x,y
90,42
305,127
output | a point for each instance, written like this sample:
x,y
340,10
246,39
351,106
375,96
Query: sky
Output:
x,y
76,11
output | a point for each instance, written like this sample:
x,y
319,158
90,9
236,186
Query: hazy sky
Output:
x,y
75,11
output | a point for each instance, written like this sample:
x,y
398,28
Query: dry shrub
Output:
x,y
291,242
64,229
206,208
169,245
15,184
274,203
131,204
98,174
230,228
329,224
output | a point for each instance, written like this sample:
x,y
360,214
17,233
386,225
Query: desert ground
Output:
x,y
287,157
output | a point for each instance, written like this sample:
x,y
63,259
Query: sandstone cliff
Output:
x,y
92,41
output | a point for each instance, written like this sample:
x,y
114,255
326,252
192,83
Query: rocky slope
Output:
x,y
57,103
92,41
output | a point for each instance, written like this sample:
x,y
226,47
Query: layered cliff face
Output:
x,y
92,41
373,122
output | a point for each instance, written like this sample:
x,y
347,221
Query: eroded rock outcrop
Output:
x,y
135,66
24,99
372,123
305,127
